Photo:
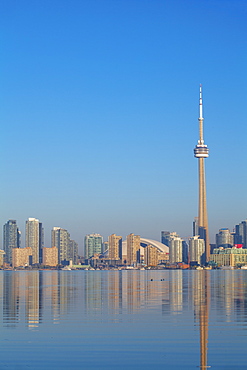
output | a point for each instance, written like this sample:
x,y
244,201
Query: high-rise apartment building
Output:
x,y
133,249
11,239
35,239
201,152
175,249
73,252
151,255
197,250
224,238
115,247
60,238
93,244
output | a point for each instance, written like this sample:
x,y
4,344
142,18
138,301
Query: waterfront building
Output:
x,y
50,256
151,256
73,252
175,249
133,249
2,253
93,245
115,247
224,238
241,234
229,256
11,239
201,152
60,238
22,257
35,238
197,249
175,244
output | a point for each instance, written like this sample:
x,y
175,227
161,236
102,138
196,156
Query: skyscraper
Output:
x,y
60,238
11,239
241,233
224,238
115,247
73,252
175,249
93,244
197,249
201,151
35,239
133,249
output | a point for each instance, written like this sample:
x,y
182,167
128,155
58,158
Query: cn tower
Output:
x,y
201,152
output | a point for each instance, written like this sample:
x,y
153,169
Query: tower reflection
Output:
x,y
204,302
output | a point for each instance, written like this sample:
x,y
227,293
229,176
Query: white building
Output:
x,y
196,249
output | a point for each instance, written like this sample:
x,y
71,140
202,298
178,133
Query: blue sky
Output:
x,y
99,112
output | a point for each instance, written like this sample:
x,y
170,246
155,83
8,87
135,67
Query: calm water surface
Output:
x,y
123,319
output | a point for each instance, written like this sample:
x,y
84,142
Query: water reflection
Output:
x,y
201,303
34,298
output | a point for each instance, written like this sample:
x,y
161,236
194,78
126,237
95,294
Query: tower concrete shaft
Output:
x,y
201,151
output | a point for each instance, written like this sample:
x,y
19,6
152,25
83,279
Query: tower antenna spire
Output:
x,y
201,151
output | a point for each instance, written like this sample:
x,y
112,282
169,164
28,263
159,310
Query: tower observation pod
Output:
x,y
201,151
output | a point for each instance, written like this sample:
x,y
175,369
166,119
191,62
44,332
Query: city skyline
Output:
x,y
99,115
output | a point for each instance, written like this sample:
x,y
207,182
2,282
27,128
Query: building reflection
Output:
x,y
11,298
33,306
35,297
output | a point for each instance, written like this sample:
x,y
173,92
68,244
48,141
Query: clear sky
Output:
x,y
99,114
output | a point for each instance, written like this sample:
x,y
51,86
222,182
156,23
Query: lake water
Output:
x,y
123,319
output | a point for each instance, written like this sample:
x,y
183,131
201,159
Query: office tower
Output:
x,y
165,237
195,227
201,151
115,247
73,252
241,234
50,256
185,249
197,250
133,249
151,255
224,238
60,238
22,257
92,245
35,238
11,239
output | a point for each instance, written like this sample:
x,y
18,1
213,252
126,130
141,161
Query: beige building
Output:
x,y
133,248
151,255
2,253
229,256
21,257
34,238
50,256
115,247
